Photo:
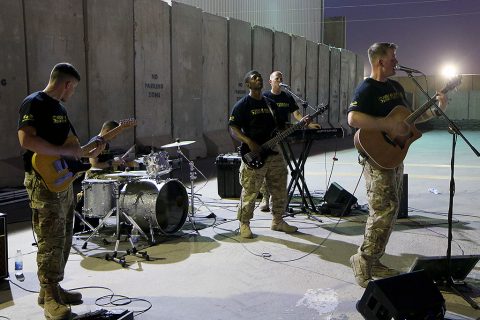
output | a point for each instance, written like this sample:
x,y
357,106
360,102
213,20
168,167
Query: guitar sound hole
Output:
x,y
387,138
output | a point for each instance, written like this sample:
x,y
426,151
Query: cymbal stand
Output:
x,y
78,215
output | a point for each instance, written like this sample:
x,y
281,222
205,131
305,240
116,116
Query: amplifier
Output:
x,y
228,166
3,247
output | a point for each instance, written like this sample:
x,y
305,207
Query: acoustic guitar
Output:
x,y
59,172
256,160
385,151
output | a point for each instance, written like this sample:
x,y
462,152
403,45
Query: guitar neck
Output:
x,y
282,135
417,113
453,83
107,136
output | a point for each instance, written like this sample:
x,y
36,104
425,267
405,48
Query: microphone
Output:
x,y
283,85
406,69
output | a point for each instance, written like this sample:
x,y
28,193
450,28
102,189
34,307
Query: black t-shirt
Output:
x,y
106,154
48,116
378,98
254,118
285,103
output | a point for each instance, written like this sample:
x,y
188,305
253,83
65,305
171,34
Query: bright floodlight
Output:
x,y
449,71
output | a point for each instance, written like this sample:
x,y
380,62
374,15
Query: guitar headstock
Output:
x,y
452,83
320,110
127,123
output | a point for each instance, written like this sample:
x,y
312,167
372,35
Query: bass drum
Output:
x,y
162,206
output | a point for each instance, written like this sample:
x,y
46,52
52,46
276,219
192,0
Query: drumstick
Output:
x,y
128,151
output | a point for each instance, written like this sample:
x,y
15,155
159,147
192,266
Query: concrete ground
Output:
x,y
212,273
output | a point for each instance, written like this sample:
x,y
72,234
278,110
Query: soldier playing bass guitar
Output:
x,y
252,122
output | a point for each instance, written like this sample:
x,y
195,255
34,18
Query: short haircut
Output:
x,y
249,74
274,74
64,71
379,50
109,125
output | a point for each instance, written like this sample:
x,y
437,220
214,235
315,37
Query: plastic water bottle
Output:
x,y
19,266
135,235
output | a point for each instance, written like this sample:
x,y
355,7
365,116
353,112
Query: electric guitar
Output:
x,y
59,172
256,160
385,151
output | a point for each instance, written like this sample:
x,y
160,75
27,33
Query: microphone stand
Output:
x,y
455,131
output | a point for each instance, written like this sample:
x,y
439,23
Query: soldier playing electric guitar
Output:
x,y
44,129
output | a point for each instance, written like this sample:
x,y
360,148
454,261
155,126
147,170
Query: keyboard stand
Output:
x,y
297,181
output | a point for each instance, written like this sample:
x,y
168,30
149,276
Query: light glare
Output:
x,y
449,71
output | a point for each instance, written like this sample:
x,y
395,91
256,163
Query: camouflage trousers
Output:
x,y
264,191
52,217
274,172
384,190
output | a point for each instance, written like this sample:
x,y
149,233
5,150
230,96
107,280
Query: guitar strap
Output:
x,y
271,111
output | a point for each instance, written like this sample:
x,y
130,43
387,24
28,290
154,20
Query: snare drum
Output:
x,y
161,206
99,197
157,164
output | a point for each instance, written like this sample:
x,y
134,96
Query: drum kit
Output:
x,y
151,203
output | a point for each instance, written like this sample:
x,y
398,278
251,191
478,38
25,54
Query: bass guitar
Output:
x,y
256,160
386,151
59,172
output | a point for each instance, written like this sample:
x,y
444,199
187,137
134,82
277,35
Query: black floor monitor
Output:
x,y
437,267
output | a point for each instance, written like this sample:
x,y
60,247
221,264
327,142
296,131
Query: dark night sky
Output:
x,y
429,33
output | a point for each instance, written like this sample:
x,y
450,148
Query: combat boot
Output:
x,y
68,297
379,270
53,307
265,204
281,225
245,231
362,269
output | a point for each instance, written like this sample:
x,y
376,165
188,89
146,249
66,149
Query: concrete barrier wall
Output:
x,y
311,75
186,76
298,65
282,54
262,52
50,43
13,77
215,84
347,86
239,59
153,88
323,81
110,65
140,58
335,72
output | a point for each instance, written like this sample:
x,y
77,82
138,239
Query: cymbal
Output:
x,y
178,144
127,174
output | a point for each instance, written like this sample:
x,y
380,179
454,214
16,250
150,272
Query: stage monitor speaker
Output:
x,y
3,246
338,199
437,267
407,296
